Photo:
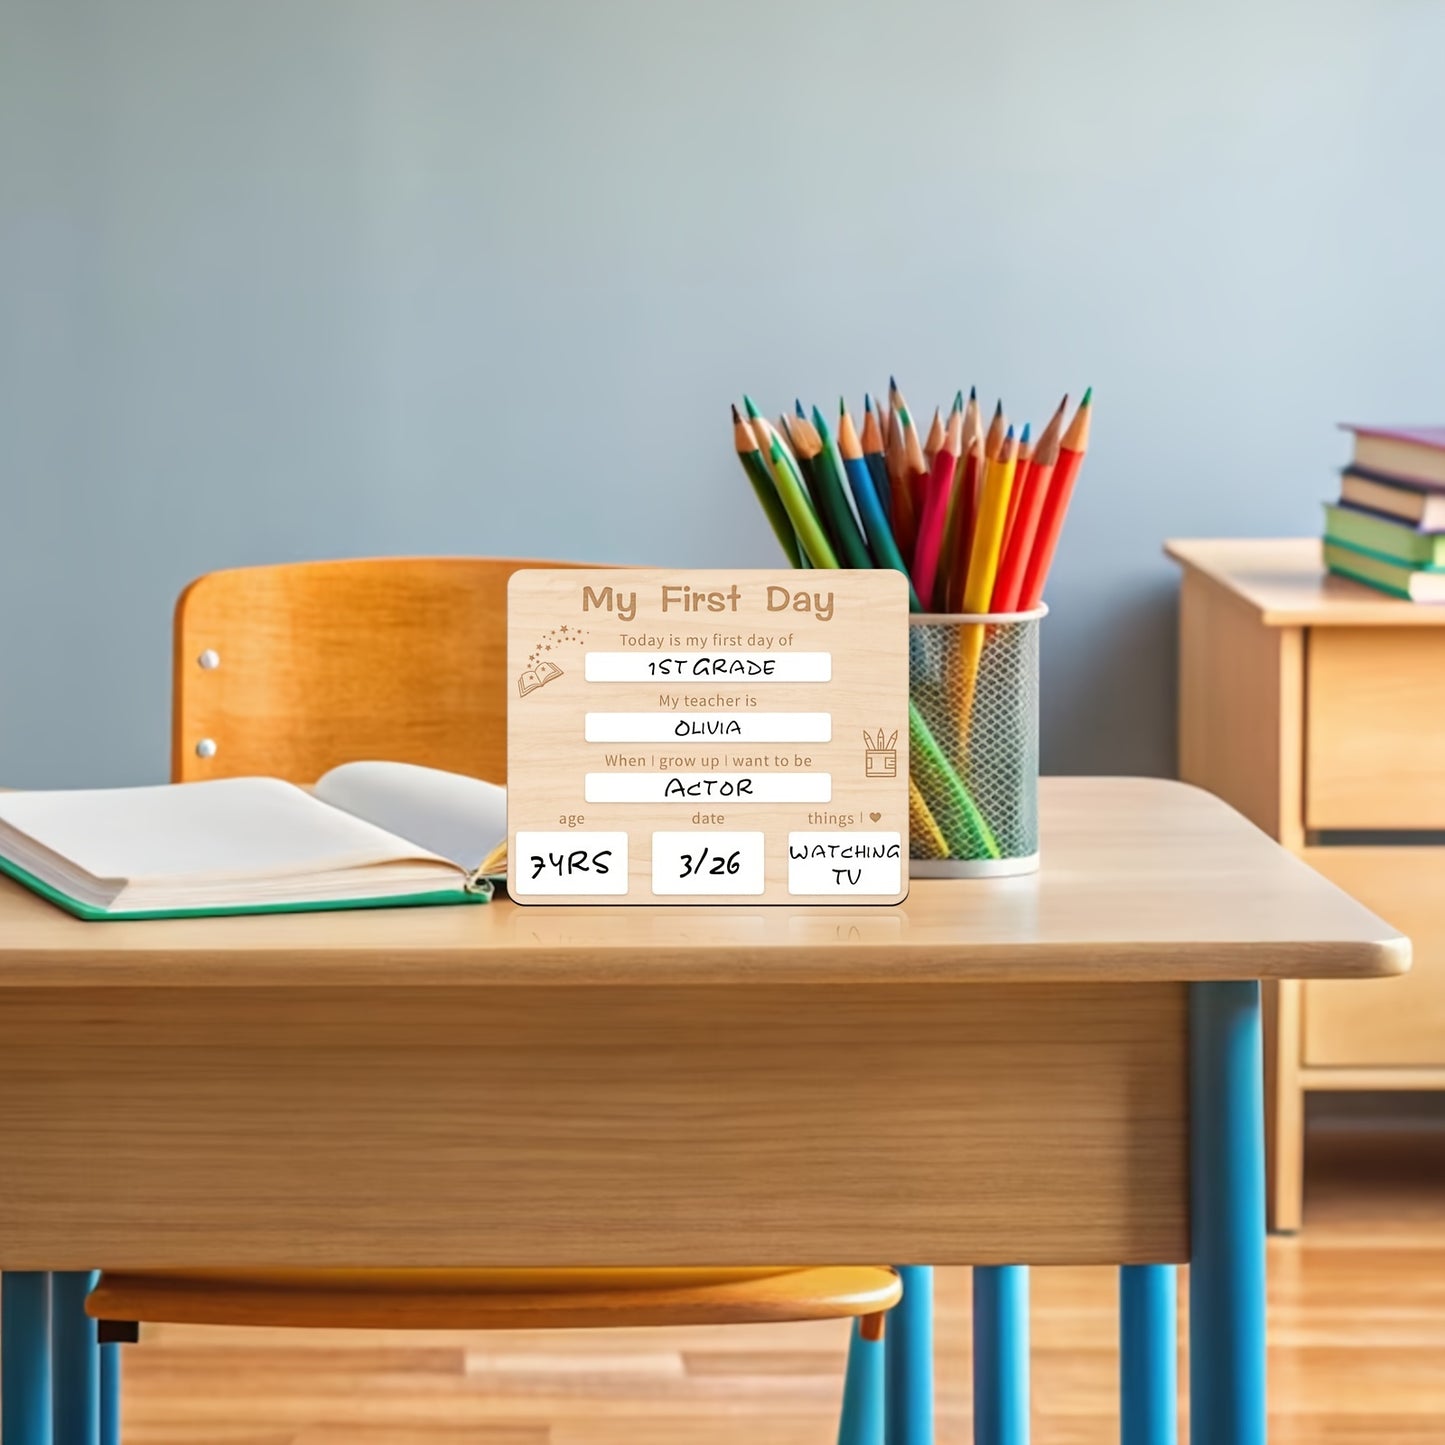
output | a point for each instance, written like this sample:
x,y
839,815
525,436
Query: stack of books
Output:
x,y
1388,527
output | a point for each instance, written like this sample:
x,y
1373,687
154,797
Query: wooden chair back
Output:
x,y
289,670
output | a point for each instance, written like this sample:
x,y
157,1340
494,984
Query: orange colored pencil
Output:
x,y
938,492
1008,586
1074,445
1026,456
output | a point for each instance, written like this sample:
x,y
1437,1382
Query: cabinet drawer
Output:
x,y
1390,1021
1375,728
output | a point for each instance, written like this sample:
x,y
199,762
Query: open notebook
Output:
x,y
369,835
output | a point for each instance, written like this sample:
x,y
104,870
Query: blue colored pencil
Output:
x,y
880,535
874,459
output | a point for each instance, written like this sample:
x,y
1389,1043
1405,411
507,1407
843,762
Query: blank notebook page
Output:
x,y
235,827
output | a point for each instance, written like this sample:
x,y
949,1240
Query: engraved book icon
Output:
x,y
535,677
880,754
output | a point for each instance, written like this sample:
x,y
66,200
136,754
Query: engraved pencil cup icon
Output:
x,y
880,754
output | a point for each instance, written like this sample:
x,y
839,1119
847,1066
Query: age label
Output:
x,y
671,733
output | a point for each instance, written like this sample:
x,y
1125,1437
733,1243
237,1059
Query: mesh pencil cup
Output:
x,y
973,744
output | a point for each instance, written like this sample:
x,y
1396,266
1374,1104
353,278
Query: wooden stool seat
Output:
x,y
491,1299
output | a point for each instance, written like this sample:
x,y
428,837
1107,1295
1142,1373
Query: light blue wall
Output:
x,y
309,278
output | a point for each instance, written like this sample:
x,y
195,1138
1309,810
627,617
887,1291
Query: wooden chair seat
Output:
x,y
491,1299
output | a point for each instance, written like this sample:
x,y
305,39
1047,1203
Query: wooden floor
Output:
x,y
1357,1317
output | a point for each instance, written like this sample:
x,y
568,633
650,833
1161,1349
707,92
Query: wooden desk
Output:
x,y
1047,1069
1312,704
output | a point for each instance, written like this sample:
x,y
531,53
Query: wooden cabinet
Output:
x,y
1316,706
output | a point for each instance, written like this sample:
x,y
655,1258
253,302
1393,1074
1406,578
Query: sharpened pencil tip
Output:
x,y
1008,436
892,383
1024,435
737,415
751,410
820,422
842,407
973,393
798,407
958,400
998,408
867,401
1088,397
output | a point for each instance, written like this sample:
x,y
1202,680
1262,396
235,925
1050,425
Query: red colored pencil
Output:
x,y
1008,586
938,490
1056,503
935,439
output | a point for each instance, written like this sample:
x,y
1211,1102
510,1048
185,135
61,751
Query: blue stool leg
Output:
x,y
76,1374
1148,1355
862,1421
1001,1355
1226,1205
25,1358
110,1395
909,1348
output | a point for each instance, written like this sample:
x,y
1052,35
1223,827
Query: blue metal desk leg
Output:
x,y
1001,1355
908,1344
110,1394
25,1358
862,1416
1148,1355
1226,1206
76,1361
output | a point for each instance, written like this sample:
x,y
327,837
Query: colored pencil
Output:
x,y
996,428
964,828
988,534
971,472
812,540
1074,445
751,457
958,536
872,443
923,826
935,440
938,492
905,514
1021,472
916,467
1008,587
860,480
983,567
833,483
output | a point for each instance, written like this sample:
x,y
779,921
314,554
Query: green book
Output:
x,y
1384,536
369,835
1418,584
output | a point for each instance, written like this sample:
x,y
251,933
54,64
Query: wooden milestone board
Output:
x,y
707,736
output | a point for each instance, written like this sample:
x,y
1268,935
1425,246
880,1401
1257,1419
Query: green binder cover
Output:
x,y
478,892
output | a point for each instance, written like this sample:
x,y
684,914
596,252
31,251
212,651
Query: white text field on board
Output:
x,y
741,727
709,787
709,666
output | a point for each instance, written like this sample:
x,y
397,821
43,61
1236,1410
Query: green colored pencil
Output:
x,y
751,457
794,497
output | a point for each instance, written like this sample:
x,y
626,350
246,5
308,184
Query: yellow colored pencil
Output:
x,y
923,826
998,480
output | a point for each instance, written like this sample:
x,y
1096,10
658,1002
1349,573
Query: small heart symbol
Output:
x,y
875,816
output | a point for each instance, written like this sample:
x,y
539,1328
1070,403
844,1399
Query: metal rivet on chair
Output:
x,y
206,748
209,659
